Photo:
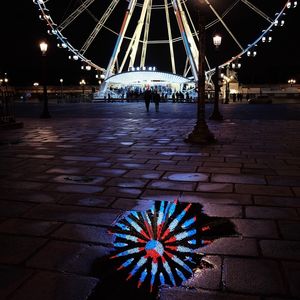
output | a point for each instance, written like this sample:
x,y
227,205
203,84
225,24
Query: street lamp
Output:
x,y
45,113
216,115
201,133
82,84
61,88
291,82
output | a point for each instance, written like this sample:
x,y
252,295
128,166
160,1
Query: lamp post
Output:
x,y
82,84
201,133
61,88
216,115
291,82
227,91
45,113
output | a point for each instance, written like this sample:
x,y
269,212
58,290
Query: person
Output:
x,y
156,100
147,97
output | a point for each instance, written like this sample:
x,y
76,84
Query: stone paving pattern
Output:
x,y
63,181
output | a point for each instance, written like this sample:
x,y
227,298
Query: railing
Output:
x,y
7,111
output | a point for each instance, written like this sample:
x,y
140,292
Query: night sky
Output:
x,y
21,32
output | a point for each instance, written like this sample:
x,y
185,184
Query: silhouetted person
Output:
x,y
147,97
156,100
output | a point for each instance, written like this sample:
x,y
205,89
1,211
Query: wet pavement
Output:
x,y
65,180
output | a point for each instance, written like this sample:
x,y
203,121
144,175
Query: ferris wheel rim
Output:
x,y
81,57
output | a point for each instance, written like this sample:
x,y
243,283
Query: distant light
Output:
x,y
36,84
88,68
43,47
61,80
217,40
75,57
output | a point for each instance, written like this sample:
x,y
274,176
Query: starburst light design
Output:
x,y
157,246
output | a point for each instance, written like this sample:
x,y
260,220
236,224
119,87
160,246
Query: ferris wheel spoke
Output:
x,y
257,10
99,25
170,38
224,14
75,14
224,24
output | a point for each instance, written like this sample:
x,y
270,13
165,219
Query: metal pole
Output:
x,y
45,113
201,134
216,115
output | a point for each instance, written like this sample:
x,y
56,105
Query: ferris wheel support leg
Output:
x,y
126,20
186,37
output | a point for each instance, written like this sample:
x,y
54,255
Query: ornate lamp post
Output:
x,y
61,88
216,115
291,82
45,113
201,133
82,84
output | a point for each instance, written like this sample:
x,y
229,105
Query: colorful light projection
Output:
x,y
157,247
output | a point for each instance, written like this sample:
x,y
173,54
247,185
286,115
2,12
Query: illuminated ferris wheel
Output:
x,y
116,36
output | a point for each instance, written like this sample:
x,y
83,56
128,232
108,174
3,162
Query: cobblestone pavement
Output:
x,y
64,180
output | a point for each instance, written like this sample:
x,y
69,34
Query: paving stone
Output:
x,y
253,276
82,158
75,188
11,278
22,185
182,293
15,249
13,208
277,201
75,179
231,246
222,165
215,187
221,210
144,174
193,177
127,182
280,249
176,168
217,198
297,191
67,257
30,196
249,179
65,213
270,212
86,200
57,287
134,166
83,233
284,180
206,277
122,192
218,170
133,204
263,190
292,273
171,185
290,230
256,228
28,227
160,195
107,172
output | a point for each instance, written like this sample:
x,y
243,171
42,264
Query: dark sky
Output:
x,y
20,57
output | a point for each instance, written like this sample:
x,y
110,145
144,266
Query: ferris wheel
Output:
x,y
116,36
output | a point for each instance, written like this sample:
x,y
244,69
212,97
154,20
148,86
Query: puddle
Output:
x,y
188,177
156,248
